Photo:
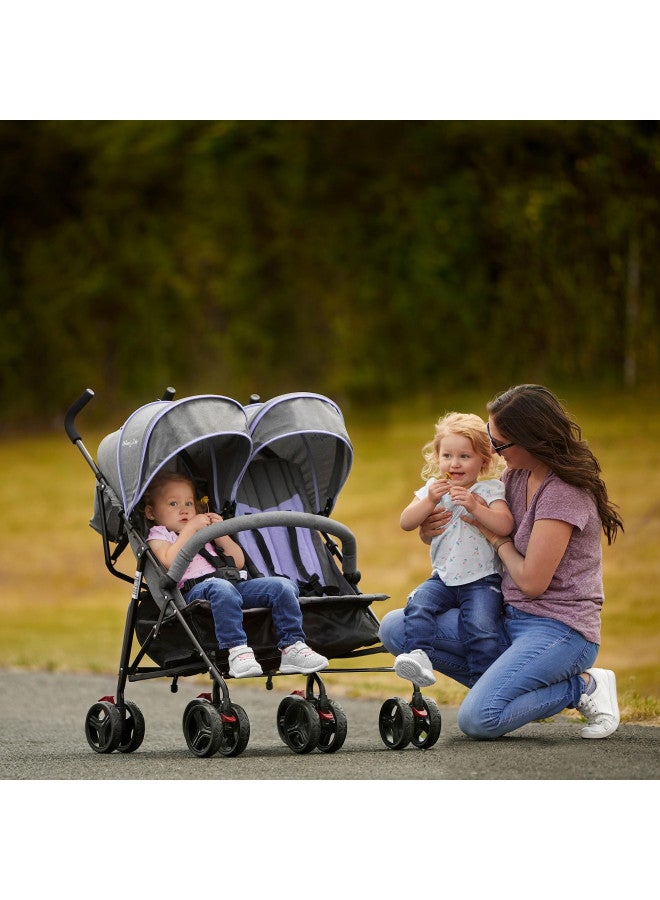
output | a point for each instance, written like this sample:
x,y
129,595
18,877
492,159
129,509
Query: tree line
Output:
x,y
365,260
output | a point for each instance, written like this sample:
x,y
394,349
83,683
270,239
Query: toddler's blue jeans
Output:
x,y
537,676
480,627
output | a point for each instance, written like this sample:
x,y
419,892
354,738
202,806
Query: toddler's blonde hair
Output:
x,y
466,425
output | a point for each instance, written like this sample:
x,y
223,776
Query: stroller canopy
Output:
x,y
308,432
206,437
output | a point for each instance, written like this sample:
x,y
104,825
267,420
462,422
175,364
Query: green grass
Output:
x,y
62,610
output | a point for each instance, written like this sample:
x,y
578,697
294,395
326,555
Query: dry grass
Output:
x,y
62,609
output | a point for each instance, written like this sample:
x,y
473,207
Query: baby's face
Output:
x,y
173,506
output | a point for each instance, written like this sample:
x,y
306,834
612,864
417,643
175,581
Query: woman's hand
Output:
x,y
487,533
432,526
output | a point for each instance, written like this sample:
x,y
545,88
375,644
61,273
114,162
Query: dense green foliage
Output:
x,y
366,260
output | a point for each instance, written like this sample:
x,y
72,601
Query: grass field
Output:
x,y
62,610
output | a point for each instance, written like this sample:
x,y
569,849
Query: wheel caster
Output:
x,y
103,727
203,728
334,727
235,730
132,733
396,723
427,724
298,724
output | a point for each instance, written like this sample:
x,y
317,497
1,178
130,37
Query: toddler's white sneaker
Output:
x,y
416,667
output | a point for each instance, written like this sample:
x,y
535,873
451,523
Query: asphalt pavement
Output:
x,y
446,818
42,736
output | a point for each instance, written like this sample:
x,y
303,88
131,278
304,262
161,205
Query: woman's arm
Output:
x,y
496,517
432,526
533,572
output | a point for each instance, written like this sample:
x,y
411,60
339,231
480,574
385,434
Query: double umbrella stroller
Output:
x,y
273,471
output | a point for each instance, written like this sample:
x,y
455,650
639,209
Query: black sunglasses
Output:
x,y
494,445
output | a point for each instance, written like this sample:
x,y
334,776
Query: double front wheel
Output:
x,y
305,725
401,723
208,730
108,727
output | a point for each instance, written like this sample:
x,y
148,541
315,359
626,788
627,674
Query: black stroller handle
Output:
x,y
72,412
252,521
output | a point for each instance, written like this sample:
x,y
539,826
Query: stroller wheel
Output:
x,y
298,724
133,728
202,728
103,727
334,727
427,724
396,723
235,731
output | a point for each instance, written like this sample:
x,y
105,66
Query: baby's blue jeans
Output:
x,y
228,600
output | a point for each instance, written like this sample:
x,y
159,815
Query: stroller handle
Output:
x,y
72,412
265,520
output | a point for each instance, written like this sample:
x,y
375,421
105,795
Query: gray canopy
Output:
x,y
307,431
206,437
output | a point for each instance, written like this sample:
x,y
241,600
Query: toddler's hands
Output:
x,y
438,489
466,498
462,497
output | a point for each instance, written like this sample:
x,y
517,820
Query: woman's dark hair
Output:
x,y
532,417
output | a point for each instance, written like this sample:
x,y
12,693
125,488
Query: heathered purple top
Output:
x,y
575,594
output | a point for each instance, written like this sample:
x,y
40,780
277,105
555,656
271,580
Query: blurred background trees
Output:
x,y
365,260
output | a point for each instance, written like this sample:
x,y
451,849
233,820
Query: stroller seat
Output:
x,y
269,485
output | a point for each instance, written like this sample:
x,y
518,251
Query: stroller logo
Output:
x,y
129,443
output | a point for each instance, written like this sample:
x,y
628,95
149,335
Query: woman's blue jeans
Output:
x,y
228,599
537,676
480,626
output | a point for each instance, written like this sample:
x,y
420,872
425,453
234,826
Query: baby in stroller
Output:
x,y
218,573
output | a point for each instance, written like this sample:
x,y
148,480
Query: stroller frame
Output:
x,y
213,723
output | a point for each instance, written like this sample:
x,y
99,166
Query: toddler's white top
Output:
x,y
462,554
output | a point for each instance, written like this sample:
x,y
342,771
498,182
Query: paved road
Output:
x,y
161,819
42,737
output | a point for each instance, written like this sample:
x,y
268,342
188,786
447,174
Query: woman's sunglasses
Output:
x,y
496,448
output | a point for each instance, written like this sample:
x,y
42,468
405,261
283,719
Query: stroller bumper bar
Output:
x,y
266,520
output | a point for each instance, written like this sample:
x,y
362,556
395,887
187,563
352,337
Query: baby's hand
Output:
x,y
202,520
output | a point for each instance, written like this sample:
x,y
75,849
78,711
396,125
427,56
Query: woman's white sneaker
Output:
x,y
416,667
601,707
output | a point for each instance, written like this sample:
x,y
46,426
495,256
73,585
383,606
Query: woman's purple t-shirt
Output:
x,y
575,594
